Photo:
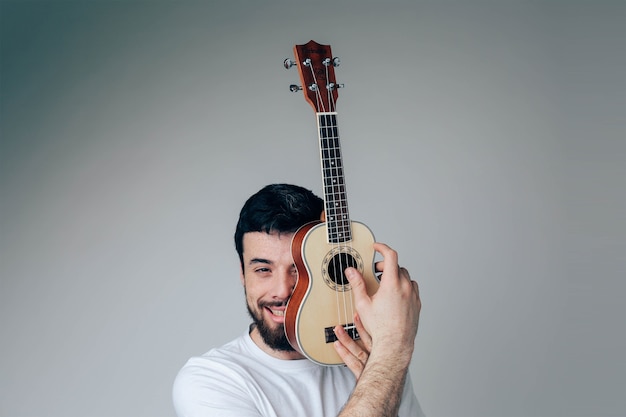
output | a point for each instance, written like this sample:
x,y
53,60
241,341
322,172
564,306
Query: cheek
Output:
x,y
251,292
256,293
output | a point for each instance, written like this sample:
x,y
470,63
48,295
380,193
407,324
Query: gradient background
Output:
x,y
484,140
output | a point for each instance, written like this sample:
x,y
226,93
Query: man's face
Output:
x,y
269,277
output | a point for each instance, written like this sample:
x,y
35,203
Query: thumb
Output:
x,y
358,285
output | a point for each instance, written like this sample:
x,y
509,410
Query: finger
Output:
x,y
387,252
365,337
416,289
403,272
349,360
358,286
354,347
389,264
351,352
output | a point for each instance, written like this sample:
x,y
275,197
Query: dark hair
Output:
x,y
281,208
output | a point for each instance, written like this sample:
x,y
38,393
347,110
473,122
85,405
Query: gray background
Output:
x,y
484,140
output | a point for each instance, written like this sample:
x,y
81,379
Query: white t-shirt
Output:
x,y
240,380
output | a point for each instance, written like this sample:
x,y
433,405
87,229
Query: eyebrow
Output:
x,y
260,261
254,261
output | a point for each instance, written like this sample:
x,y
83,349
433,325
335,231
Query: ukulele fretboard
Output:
x,y
335,199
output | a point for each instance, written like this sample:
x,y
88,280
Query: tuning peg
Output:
x,y
288,63
335,62
295,88
332,86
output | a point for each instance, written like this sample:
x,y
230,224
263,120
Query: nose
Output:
x,y
285,283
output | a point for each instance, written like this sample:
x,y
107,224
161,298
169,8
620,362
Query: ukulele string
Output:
x,y
334,184
340,220
318,97
329,96
342,247
331,189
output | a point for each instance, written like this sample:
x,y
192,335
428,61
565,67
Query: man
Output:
x,y
260,374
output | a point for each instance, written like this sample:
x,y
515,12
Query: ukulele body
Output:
x,y
322,297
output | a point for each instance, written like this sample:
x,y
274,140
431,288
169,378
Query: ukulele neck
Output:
x,y
338,224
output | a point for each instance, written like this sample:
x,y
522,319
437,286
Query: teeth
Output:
x,y
278,312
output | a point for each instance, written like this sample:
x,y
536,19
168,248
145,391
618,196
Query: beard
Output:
x,y
275,338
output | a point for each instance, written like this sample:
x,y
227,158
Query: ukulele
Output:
x,y
322,250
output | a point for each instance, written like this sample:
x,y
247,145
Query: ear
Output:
x,y
242,277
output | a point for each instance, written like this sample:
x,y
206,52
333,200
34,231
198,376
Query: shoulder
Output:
x,y
225,362
217,379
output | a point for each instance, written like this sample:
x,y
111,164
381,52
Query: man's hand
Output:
x,y
388,323
391,316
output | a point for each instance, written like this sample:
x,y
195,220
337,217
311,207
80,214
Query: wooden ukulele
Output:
x,y
322,250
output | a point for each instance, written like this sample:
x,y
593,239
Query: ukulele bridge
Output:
x,y
350,328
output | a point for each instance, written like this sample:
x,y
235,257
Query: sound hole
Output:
x,y
338,265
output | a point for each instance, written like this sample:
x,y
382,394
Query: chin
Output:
x,y
275,337
272,333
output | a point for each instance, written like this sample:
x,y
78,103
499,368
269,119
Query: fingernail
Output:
x,y
349,272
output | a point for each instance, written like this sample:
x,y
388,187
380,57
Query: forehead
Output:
x,y
271,246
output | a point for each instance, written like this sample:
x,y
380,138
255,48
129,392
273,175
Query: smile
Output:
x,y
276,312
279,313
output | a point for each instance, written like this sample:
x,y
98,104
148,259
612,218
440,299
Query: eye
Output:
x,y
263,270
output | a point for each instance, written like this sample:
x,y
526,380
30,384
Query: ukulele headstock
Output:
x,y
316,66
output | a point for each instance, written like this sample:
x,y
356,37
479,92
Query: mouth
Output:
x,y
277,313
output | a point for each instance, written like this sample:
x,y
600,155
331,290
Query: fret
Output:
x,y
333,173
334,182
329,142
335,202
